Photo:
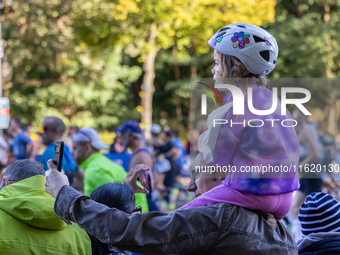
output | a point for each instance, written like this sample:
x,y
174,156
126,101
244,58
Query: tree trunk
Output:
x,y
332,120
193,71
177,72
148,87
332,124
193,103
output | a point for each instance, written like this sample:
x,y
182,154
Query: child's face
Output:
x,y
217,70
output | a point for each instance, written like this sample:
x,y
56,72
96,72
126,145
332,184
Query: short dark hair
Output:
x,y
321,127
18,122
175,132
26,127
58,124
23,169
6,134
115,195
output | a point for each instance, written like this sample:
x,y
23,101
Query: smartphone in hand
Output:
x,y
145,181
58,154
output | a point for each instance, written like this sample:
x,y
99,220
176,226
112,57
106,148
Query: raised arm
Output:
x,y
189,231
193,230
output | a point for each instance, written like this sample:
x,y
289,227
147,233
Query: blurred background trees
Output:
x,y
100,62
308,37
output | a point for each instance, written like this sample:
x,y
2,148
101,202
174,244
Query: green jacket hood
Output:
x,y
28,202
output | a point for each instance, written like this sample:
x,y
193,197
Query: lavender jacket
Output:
x,y
263,160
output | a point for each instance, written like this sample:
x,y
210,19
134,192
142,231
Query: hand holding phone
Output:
x,y
139,173
145,180
58,154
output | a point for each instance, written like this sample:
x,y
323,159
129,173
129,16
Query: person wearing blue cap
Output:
x,y
320,224
132,137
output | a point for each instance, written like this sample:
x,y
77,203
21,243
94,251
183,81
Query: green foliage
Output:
x,y
55,74
308,38
302,33
66,56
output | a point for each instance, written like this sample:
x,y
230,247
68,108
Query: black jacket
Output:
x,y
217,229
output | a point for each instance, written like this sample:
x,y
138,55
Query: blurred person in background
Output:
x,y
311,152
9,140
161,164
28,223
329,145
3,155
28,129
192,145
98,169
179,156
155,140
68,138
169,152
72,130
23,146
132,137
52,130
337,149
116,146
176,141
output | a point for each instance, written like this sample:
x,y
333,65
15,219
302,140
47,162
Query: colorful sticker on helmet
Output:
x,y
268,42
218,37
240,39
214,42
236,44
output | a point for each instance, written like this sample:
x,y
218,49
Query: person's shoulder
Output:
x,y
4,216
143,154
216,213
105,162
9,223
48,151
143,157
102,163
47,154
22,135
115,166
306,132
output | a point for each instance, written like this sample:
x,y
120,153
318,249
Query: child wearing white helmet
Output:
x,y
244,54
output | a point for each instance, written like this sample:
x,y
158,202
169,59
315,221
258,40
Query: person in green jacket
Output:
x,y
28,223
98,169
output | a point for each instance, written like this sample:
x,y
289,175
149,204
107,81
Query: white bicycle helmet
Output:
x,y
252,45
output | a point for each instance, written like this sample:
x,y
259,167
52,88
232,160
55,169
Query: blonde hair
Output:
x,y
239,73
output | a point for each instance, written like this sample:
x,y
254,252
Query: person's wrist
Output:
x,y
59,187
